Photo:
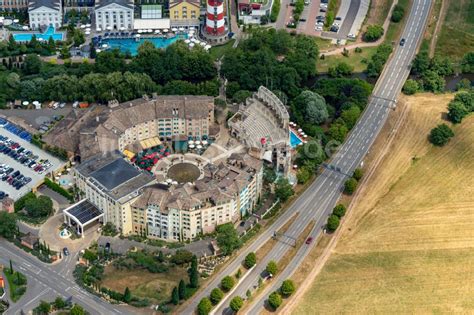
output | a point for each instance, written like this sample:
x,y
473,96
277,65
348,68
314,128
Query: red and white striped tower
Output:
x,y
215,17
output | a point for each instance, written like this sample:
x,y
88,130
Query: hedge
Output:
x,y
275,11
55,187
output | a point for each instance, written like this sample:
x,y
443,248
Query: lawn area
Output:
x,y
408,246
323,44
16,290
457,33
155,286
218,51
395,29
357,60
431,27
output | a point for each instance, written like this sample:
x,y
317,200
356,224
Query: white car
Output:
x,y
351,36
319,23
323,5
75,104
336,24
318,28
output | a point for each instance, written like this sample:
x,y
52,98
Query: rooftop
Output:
x,y
84,211
115,173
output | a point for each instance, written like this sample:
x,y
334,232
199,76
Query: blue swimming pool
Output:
x,y
26,37
294,140
131,44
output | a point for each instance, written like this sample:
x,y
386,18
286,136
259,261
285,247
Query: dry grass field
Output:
x,y
155,286
408,246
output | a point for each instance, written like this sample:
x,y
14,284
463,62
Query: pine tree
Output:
x,y
175,296
182,290
127,295
193,273
11,267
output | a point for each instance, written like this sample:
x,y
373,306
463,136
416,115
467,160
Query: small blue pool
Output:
x,y
26,37
294,140
131,44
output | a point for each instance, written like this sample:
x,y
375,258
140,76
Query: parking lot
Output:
x,y
24,170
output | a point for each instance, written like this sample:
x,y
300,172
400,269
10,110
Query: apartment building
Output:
x,y
43,13
184,12
114,14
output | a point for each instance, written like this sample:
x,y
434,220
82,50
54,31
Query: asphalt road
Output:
x,y
316,203
46,282
347,22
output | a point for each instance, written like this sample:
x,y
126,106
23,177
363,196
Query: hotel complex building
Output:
x,y
114,14
224,194
43,13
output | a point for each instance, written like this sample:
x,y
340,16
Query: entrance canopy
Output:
x,y
82,213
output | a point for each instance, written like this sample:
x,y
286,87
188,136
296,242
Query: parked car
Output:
x,y
309,240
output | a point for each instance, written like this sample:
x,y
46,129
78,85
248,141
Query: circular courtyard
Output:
x,y
184,172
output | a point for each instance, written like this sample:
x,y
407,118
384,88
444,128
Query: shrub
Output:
x,y
227,283
440,135
236,303
410,87
274,300
350,186
373,33
339,210
467,98
333,222
397,14
216,296
250,260
272,267
358,173
456,111
204,306
287,287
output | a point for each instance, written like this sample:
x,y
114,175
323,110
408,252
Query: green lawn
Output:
x,y
457,33
357,60
395,29
16,291
323,44
218,51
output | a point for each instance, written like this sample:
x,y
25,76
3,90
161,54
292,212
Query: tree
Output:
x,y
433,82
272,267
350,116
339,210
89,255
304,174
216,296
250,260
175,296
59,303
181,257
338,131
227,283
287,287
227,238
358,173
236,303
456,111
32,64
241,96
11,267
333,222
182,289
204,306
350,186
127,295
397,14
43,308
269,175
467,63
342,69
77,310
238,274
311,107
274,300
39,207
411,87
421,63
7,224
283,189
467,98
194,273
373,33
440,135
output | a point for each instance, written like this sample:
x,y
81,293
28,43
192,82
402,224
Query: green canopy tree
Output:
x,y
236,303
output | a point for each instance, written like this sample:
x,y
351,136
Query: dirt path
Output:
x,y
361,44
439,23
321,261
